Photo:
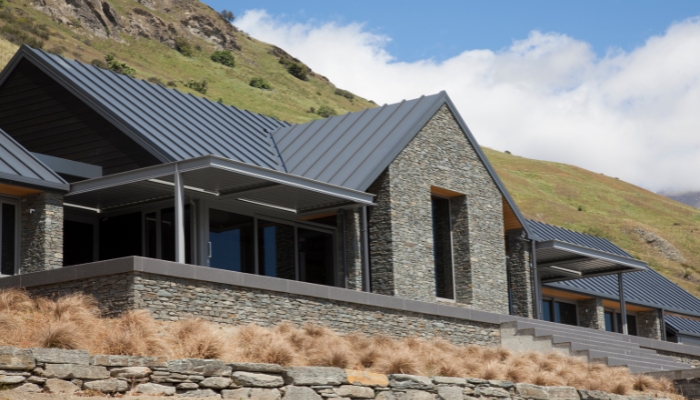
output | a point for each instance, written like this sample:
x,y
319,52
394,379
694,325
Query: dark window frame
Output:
x,y
16,248
438,290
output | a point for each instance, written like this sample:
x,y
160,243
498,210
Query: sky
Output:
x,y
613,87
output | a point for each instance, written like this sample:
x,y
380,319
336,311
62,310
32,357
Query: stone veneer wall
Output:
x,y
41,232
353,246
172,299
519,273
595,317
401,223
649,324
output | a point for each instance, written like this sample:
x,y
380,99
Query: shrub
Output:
x,y
223,57
345,93
227,16
155,81
326,111
119,67
260,83
99,63
184,47
57,49
197,86
172,83
297,69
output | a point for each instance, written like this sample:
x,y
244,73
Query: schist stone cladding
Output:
x,y
401,237
41,232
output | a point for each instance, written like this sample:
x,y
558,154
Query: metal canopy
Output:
x,y
218,177
558,261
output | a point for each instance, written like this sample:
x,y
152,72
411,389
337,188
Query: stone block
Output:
x,y
12,358
300,393
73,371
244,378
532,392
450,393
60,356
11,380
257,367
387,395
365,378
218,382
413,394
128,361
449,380
314,376
403,381
60,386
130,373
107,385
501,384
28,388
36,380
187,386
195,366
354,392
493,392
200,393
154,389
477,381
562,393
593,395
251,393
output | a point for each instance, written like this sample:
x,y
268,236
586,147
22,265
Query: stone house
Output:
x,y
387,220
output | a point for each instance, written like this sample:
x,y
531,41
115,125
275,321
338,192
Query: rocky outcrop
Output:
x,y
95,16
665,248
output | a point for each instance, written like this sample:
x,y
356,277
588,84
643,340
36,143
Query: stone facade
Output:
x,y
173,299
41,232
591,313
402,264
649,324
353,248
519,273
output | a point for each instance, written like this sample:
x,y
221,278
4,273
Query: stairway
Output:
x,y
612,349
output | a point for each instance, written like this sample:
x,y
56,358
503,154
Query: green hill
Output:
x,y
654,228
172,41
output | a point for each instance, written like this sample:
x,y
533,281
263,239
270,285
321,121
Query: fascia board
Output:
x,y
588,252
26,52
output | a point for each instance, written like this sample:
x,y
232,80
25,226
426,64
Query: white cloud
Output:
x,y
634,115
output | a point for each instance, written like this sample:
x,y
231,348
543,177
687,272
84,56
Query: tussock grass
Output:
x,y
74,322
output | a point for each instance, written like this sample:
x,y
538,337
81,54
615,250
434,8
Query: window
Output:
x,y
159,231
442,247
120,236
613,322
78,239
8,238
609,321
231,241
315,256
560,312
276,249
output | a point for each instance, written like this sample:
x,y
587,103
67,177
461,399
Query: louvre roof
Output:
x,y
648,288
173,126
683,325
17,165
545,232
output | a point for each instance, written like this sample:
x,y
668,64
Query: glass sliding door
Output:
x,y
8,239
276,249
159,234
315,256
231,241
78,239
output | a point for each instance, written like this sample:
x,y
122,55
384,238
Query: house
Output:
x,y
386,220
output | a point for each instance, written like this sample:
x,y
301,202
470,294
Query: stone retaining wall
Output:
x,y
75,371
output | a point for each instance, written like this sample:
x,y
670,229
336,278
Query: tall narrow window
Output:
x,y
315,250
7,259
442,249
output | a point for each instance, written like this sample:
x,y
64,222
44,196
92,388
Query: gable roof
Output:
x,y
546,232
17,165
352,150
647,288
683,325
171,125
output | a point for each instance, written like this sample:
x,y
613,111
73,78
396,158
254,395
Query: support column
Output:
x,y
518,262
536,282
179,217
350,247
41,232
365,251
623,307
591,313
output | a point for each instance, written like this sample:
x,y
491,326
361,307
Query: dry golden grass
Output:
x,y
74,322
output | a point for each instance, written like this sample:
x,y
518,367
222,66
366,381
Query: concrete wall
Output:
x,y
401,223
41,230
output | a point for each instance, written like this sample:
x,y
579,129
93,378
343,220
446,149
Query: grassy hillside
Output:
x,y
600,205
158,58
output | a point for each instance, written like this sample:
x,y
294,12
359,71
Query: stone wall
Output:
x,y
172,299
520,278
75,372
649,324
41,232
353,248
401,223
591,313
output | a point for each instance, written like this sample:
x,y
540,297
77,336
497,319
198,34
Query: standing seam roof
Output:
x,y
177,125
20,166
682,325
546,232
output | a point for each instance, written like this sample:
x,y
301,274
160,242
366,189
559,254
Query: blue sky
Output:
x,y
613,87
443,29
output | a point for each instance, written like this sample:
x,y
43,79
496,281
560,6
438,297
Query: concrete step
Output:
x,y
576,346
541,331
577,330
637,366
658,360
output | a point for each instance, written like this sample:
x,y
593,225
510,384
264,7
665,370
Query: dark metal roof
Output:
x,y
648,288
682,325
17,165
545,232
171,125
352,150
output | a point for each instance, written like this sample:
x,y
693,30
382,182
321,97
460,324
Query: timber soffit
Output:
x,y
352,150
171,125
17,165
